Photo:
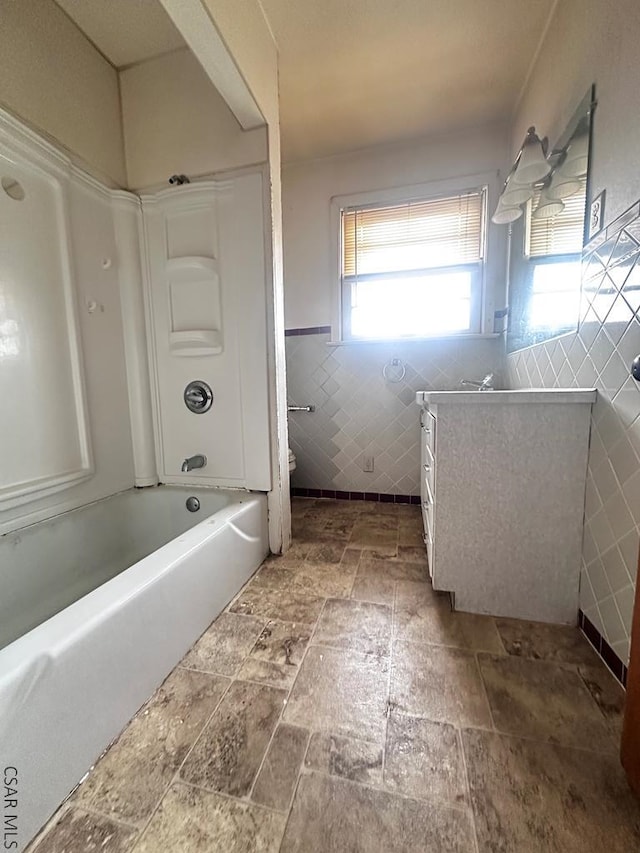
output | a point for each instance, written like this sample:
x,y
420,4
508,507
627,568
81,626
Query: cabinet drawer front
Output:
x,y
428,427
429,470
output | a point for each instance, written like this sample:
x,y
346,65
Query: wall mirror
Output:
x,y
545,243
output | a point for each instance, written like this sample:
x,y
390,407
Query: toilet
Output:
x,y
292,460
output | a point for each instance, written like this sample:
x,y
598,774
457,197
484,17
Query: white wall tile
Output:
x,y
610,333
358,412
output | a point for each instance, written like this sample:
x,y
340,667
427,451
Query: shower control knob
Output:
x,y
198,397
635,368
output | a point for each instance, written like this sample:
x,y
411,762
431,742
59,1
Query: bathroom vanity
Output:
x,y
502,491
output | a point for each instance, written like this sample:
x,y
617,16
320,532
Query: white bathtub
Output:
x,y
96,607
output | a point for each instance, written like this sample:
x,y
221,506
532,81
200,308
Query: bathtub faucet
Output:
x,y
197,461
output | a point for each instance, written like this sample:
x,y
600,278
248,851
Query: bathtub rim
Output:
x,y
127,584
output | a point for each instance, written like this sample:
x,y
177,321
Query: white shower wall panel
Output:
x,y
53,401
206,263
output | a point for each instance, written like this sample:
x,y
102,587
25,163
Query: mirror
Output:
x,y
545,244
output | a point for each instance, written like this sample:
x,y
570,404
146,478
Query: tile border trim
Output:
x,y
335,494
602,647
309,330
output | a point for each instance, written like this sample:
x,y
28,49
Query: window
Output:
x,y
554,247
413,268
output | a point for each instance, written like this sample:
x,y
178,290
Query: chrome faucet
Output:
x,y
485,385
197,461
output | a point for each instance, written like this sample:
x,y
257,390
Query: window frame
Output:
x,y
341,297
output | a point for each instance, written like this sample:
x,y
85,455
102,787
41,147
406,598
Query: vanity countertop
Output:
x,y
520,396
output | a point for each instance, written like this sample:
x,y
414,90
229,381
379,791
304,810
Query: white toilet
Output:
x,y
292,460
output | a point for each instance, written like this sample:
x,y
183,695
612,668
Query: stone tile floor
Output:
x,y
338,705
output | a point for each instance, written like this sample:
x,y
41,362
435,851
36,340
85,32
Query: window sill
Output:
x,y
395,341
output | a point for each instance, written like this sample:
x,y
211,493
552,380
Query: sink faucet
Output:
x,y
197,461
485,385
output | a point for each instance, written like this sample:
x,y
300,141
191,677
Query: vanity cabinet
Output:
x,y
503,477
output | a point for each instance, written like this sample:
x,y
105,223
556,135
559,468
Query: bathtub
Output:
x,y
96,607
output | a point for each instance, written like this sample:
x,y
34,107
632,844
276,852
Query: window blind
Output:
x,y
562,234
414,235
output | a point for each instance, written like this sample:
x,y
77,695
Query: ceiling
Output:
x,y
125,31
357,73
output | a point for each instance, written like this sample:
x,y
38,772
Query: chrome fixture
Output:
x,y
485,385
191,462
192,504
178,180
301,408
198,397
556,174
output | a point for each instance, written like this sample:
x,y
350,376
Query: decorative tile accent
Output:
x,y
603,648
359,414
332,494
309,330
599,355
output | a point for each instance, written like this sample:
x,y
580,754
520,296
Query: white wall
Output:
x,y
357,412
52,77
176,121
308,188
591,41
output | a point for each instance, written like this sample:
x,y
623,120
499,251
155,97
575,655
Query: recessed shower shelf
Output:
x,y
194,297
195,342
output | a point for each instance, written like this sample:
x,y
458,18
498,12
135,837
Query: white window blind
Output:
x,y
562,234
413,236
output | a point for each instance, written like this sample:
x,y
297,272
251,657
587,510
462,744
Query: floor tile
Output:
x,y
530,796
78,831
413,553
424,616
374,535
376,589
276,654
424,760
327,580
223,647
545,701
351,624
194,821
331,815
607,692
229,753
538,640
325,552
343,692
349,758
411,537
132,776
390,569
278,600
278,775
351,557
439,683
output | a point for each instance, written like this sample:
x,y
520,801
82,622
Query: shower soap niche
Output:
x,y
194,300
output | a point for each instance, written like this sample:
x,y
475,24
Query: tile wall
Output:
x,y
360,413
600,355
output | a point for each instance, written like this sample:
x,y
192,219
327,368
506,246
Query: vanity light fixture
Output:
x,y
514,194
505,213
530,167
531,162
556,173
562,184
547,207
577,159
